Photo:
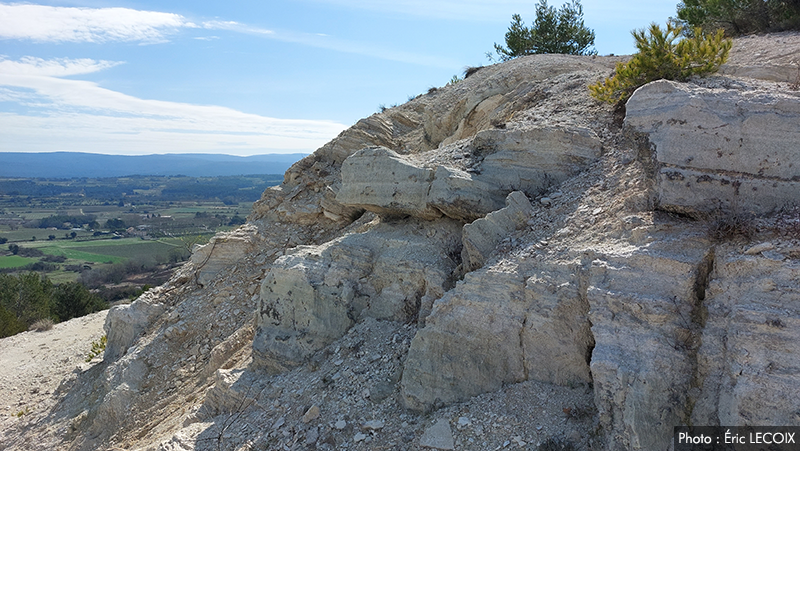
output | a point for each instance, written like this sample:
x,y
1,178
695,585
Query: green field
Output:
x,y
12,262
108,251
100,254
136,222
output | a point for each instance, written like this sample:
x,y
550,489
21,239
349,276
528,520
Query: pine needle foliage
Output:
x,y
554,31
660,57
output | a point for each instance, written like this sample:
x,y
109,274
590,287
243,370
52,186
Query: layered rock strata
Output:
x,y
721,150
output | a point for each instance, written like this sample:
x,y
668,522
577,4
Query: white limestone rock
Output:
x,y
224,251
313,296
749,360
728,150
471,343
645,310
534,159
382,181
124,324
460,195
557,340
480,238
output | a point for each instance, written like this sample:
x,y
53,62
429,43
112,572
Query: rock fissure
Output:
x,y
699,316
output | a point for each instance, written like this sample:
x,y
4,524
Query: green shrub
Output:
x,y
659,57
9,323
98,348
28,298
72,300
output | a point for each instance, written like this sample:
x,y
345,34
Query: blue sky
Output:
x,y
146,77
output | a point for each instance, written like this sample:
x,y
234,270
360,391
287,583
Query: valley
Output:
x,y
82,228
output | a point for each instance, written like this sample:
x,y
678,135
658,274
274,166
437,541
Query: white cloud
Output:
x,y
30,65
237,27
71,114
454,10
67,24
81,132
321,40
40,23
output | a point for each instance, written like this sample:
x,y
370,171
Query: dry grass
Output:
x,y
42,325
732,225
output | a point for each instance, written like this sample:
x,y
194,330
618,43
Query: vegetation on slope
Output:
x,y
740,17
29,298
664,54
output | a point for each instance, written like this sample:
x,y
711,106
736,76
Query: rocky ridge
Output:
x,y
498,264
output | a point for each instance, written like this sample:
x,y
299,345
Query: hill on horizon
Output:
x,y
83,164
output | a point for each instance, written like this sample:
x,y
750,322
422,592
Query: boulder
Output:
x,y
459,195
502,325
382,181
480,238
727,150
124,324
534,159
224,251
471,343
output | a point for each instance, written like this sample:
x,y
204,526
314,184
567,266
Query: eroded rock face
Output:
x,y
721,150
588,287
481,237
126,323
383,182
529,160
386,183
749,361
557,338
774,61
645,310
459,195
501,325
471,343
386,271
534,159
224,251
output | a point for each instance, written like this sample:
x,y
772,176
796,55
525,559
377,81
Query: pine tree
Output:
x,y
554,31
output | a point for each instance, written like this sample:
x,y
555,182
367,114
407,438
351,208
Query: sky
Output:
x,y
244,78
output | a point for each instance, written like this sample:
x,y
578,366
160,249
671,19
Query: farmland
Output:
x,y
68,228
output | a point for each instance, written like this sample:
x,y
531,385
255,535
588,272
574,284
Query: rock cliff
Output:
x,y
498,263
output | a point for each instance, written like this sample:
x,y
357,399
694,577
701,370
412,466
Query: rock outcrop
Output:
x,y
311,297
748,362
481,237
498,263
721,150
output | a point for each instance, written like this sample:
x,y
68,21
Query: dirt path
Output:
x,y
33,364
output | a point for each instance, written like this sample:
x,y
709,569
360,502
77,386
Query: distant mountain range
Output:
x,y
80,164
